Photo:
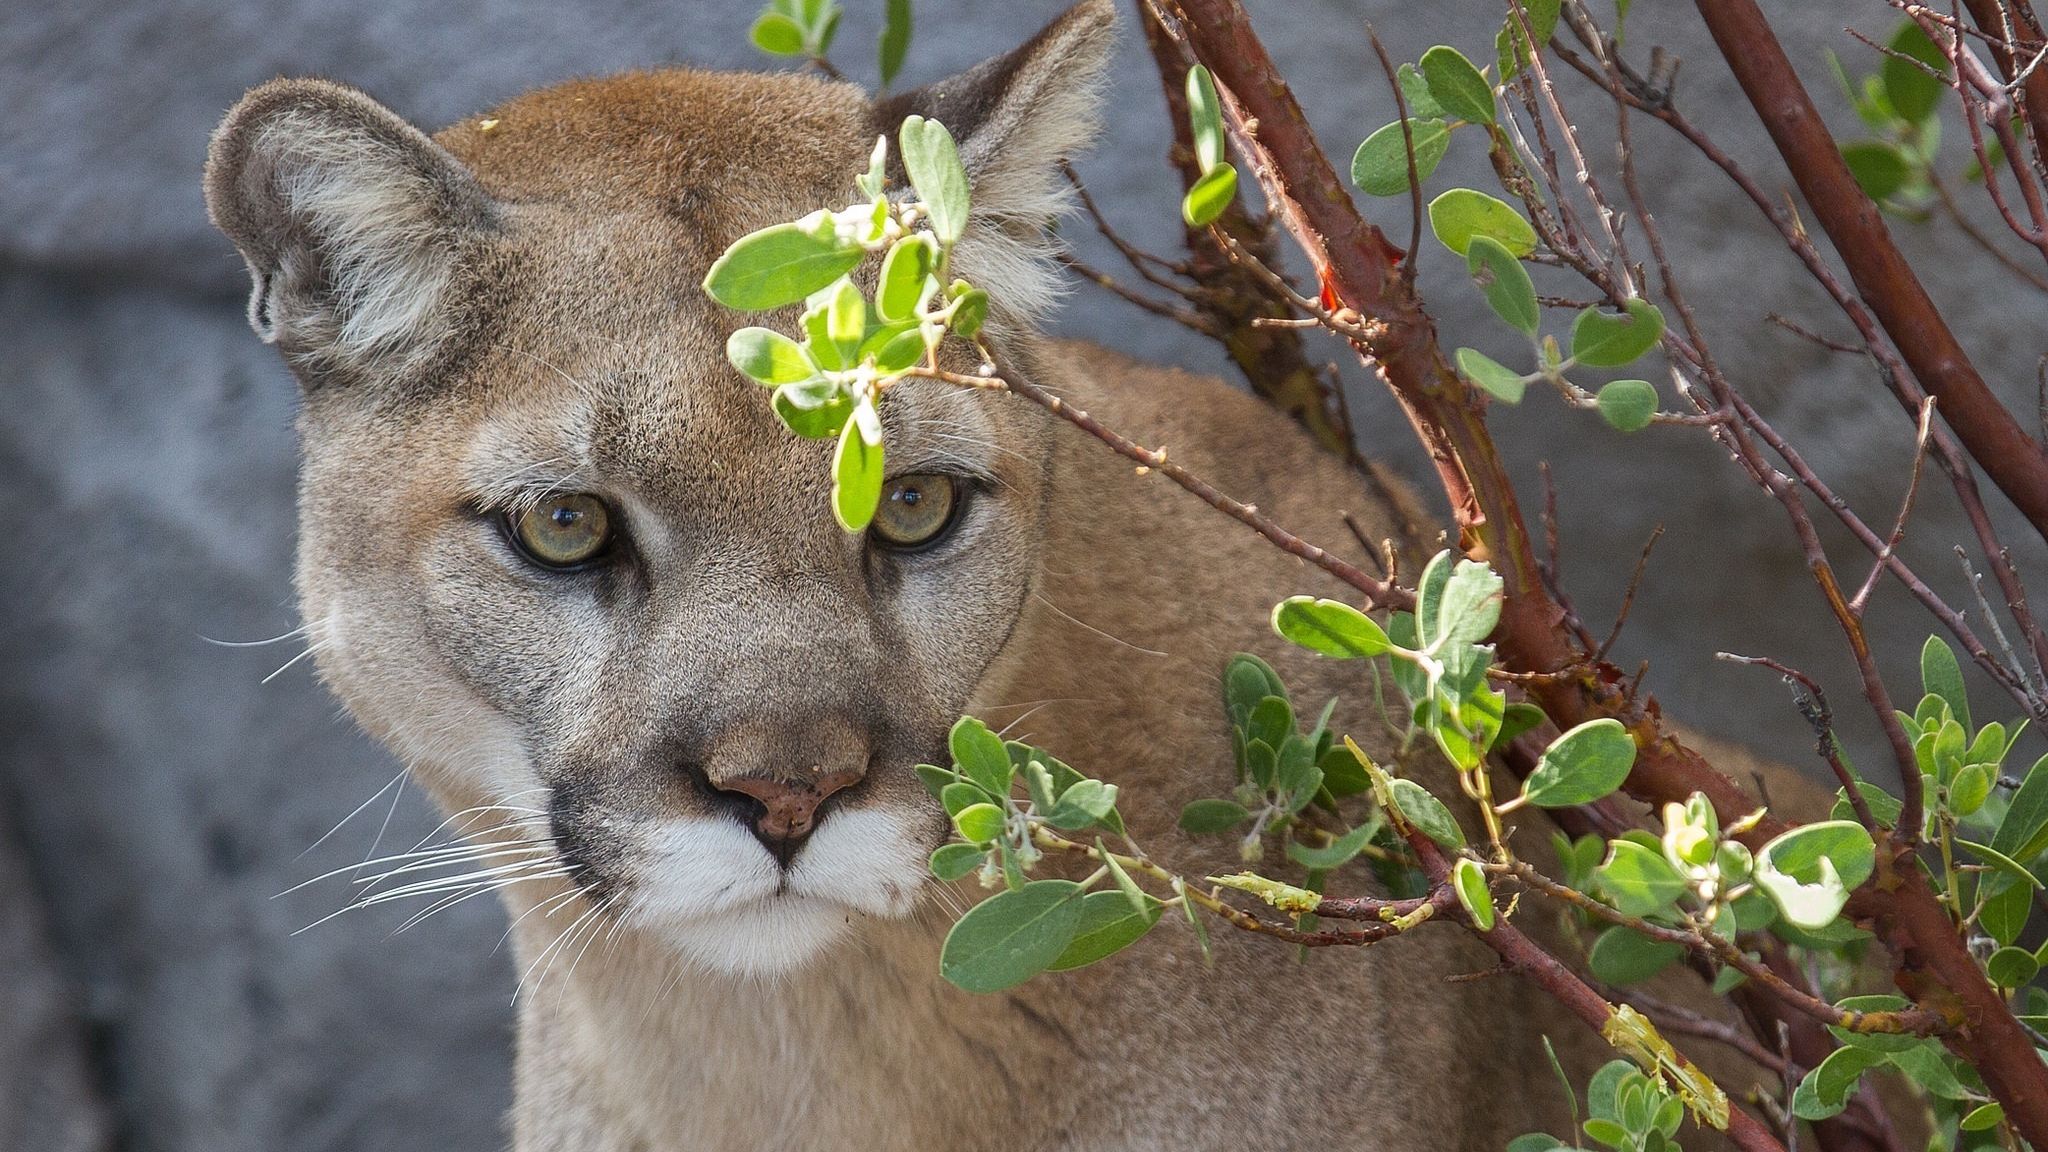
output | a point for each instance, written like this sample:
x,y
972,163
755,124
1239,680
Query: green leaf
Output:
x,y
1623,956
1983,1118
1427,814
961,795
1011,936
894,42
1943,676
1536,1142
1878,167
1082,805
1809,871
2023,832
1429,596
1338,852
1415,93
1246,681
1462,213
779,265
1343,775
1875,1041
1210,195
1380,166
980,756
1205,117
769,357
1628,405
856,475
1457,85
894,351
1207,817
1610,340
1505,283
846,321
1582,765
1470,606
902,283
2011,967
1912,92
1825,1091
952,861
1520,717
1469,882
1638,879
2000,861
1496,378
970,311
2005,908
816,409
979,823
1513,47
777,35
1108,925
1329,627
1928,1066
933,163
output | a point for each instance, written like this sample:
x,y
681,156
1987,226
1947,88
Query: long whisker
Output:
x,y
358,811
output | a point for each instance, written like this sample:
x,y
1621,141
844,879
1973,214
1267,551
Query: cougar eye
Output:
x,y
916,509
565,531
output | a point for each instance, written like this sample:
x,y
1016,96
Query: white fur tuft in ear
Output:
x,y
1016,117
352,223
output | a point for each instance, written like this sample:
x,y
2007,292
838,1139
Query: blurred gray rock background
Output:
x,y
163,795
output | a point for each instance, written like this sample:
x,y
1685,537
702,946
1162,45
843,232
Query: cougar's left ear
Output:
x,y
353,224
1016,116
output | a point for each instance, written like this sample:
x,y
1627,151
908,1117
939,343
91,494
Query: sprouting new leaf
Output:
x,y
1638,880
1380,166
1330,627
1809,871
933,163
1108,925
1497,379
980,756
1011,936
1628,405
1210,195
902,283
1469,882
1462,213
1942,676
1457,85
1427,813
779,265
894,41
777,35
1581,766
1610,340
1205,117
768,357
856,474
1505,283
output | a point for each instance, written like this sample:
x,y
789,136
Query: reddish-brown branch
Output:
x,y
1882,276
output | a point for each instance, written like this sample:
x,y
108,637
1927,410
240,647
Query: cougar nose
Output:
x,y
788,808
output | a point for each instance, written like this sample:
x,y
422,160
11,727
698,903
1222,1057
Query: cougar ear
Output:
x,y
352,223
1016,117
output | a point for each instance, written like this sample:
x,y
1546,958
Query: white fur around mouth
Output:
x,y
711,890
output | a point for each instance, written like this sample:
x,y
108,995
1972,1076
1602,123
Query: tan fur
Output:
x,y
1092,608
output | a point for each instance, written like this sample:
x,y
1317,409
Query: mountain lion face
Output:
x,y
563,559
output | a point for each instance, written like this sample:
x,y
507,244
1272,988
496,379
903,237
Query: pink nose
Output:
x,y
789,807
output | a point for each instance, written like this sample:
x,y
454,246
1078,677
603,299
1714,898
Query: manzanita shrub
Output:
x,y
1684,887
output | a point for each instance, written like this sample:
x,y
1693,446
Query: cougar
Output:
x,y
566,564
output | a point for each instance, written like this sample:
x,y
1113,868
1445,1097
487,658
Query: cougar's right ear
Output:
x,y
353,224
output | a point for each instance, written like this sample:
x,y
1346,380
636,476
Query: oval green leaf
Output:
x,y
1581,766
952,861
1623,956
1011,936
1637,879
1462,213
778,265
1504,282
1427,814
768,357
856,477
1458,86
1108,925
1380,166
777,35
1329,627
904,271
1210,195
1610,340
1468,880
979,755
1628,405
1497,379
1205,117
932,161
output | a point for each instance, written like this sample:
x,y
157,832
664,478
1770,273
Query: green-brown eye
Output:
x,y
916,509
565,531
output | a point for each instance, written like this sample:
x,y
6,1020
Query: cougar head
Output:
x,y
563,559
